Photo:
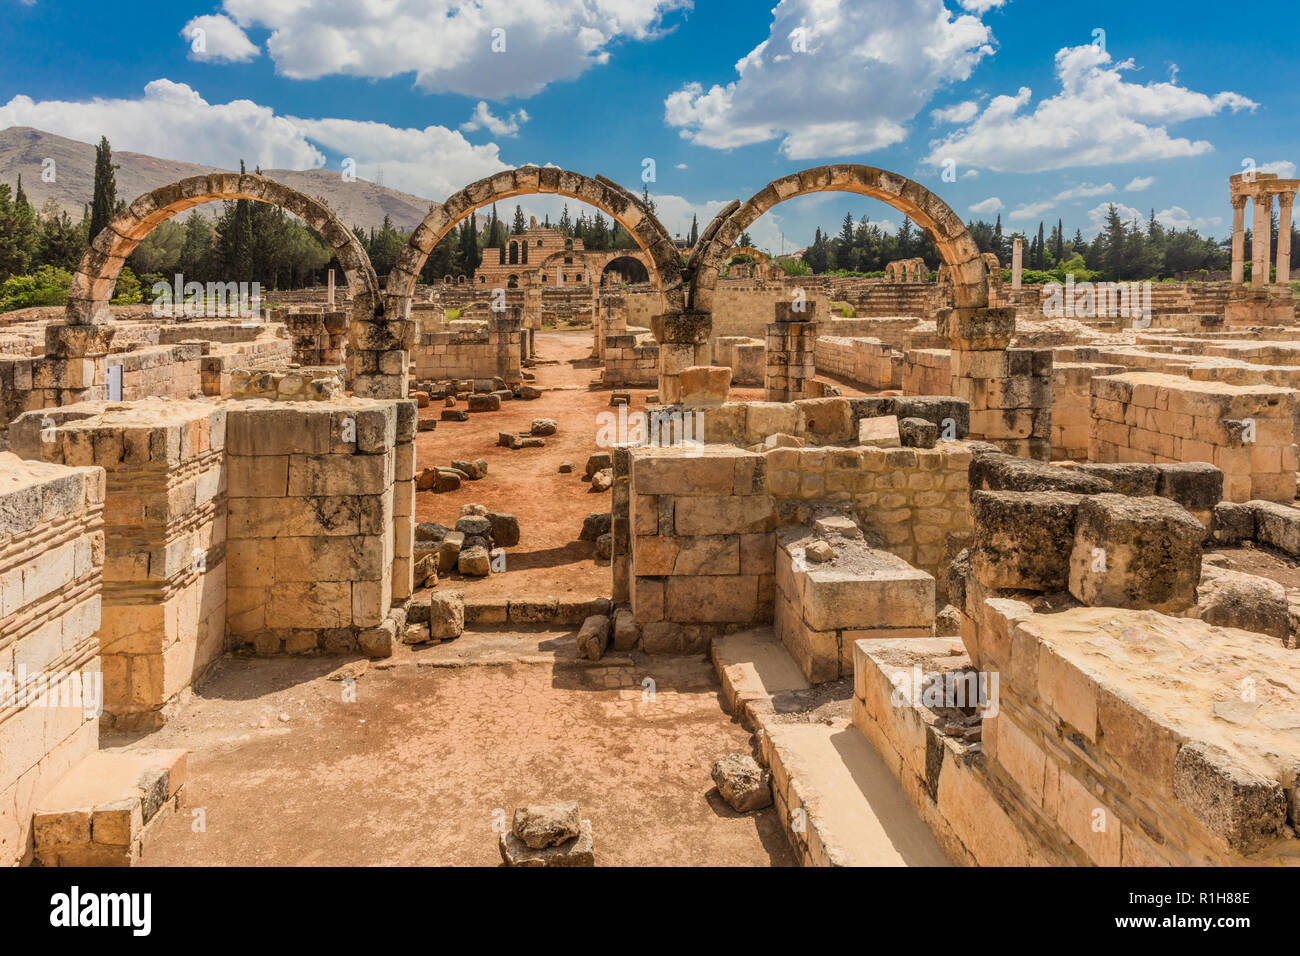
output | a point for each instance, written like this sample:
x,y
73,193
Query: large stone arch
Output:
x,y
92,285
612,199
940,223
375,362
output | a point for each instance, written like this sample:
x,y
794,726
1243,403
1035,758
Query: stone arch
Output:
x,y
615,201
906,270
93,283
609,258
943,226
562,257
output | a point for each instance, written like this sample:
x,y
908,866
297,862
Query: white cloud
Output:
x,y
680,166
1030,210
216,38
1083,191
1095,118
992,204
962,112
484,118
1176,217
450,45
173,121
834,77
1139,183
978,7
1284,168
971,174
1097,216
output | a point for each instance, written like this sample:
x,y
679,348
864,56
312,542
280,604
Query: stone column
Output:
x,y
683,339
1238,240
507,328
1259,240
1284,239
329,294
1009,390
791,357
1017,261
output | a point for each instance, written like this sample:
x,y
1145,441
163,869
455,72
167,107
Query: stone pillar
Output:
x,y
1238,240
683,339
613,321
318,337
378,344
1284,239
1260,238
163,619
506,327
791,352
1017,261
1009,390
329,295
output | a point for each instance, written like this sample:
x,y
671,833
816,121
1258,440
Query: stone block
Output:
x,y
1023,540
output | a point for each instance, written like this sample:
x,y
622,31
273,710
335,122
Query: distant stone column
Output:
x,y
1284,239
1017,261
791,358
683,339
329,294
1238,240
1259,239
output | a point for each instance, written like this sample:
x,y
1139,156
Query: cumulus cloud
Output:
x,y
1083,191
992,204
484,118
834,77
962,112
489,48
1284,168
173,121
1097,216
1030,210
1096,117
216,38
1139,183
1176,217
980,6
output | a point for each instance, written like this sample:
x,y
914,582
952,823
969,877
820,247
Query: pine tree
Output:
x,y
519,226
1040,253
999,245
104,203
1060,241
694,235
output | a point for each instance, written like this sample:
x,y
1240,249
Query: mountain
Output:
x,y
23,150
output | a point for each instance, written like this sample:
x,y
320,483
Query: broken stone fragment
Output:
x,y
594,525
430,531
881,432
454,415
599,462
543,825
446,479
427,424
449,551
543,426
472,509
474,561
478,525
743,783
505,529
917,433
605,546
473,470
819,552
484,403
576,852
566,468
602,480
1233,599
446,614
593,637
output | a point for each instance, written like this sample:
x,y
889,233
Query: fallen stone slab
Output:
x,y
743,783
474,470
484,403
427,424
474,561
504,529
454,415
446,615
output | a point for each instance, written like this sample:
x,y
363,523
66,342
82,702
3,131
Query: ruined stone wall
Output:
x,y
1246,431
927,372
485,350
631,359
748,312
51,559
317,545
746,357
1071,412
863,360
164,571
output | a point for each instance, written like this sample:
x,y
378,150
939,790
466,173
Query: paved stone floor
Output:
x,y
439,740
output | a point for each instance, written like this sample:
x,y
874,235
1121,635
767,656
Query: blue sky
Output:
x,y
1029,110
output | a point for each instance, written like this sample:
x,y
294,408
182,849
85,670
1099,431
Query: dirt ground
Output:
x,y
549,559
1261,560
442,745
